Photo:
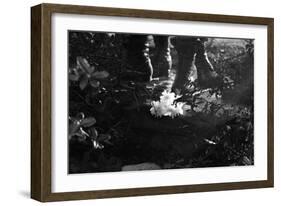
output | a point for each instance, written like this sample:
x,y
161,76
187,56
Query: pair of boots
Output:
x,y
191,51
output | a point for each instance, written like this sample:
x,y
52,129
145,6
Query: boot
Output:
x,y
138,57
162,61
207,76
185,47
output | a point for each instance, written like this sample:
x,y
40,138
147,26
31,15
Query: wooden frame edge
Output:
x,y
158,14
41,102
84,195
36,58
270,100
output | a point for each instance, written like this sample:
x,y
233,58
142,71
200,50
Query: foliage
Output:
x,y
86,74
77,128
106,126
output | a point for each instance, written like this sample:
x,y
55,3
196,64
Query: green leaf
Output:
x,y
83,63
82,135
73,74
73,77
91,69
100,74
247,161
93,133
83,82
87,122
82,132
97,145
94,83
73,128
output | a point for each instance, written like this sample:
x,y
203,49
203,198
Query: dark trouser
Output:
x,y
190,51
162,57
138,56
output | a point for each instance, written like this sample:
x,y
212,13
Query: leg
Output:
x,y
185,47
207,76
162,59
138,56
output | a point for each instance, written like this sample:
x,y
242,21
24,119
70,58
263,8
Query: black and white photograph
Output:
x,y
152,102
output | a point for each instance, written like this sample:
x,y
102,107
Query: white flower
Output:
x,y
166,106
179,108
168,97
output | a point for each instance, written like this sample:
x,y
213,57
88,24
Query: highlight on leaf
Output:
x,y
86,74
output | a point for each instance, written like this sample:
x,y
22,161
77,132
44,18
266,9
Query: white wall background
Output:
x,y
15,102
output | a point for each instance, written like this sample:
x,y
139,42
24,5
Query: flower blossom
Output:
x,y
167,106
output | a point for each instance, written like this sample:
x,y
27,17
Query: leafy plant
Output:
x,y
77,125
83,130
86,74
